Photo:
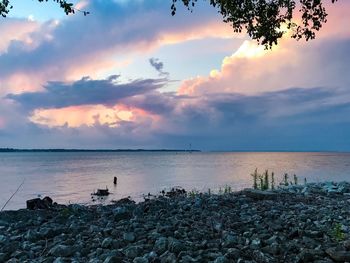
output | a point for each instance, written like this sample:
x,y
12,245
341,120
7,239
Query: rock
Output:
x,y
61,251
3,239
229,240
346,245
188,259
261,257
161,245
113,259
273,249
61,260
338,255
168,257
307,255
255,244
31,235
221,259
140,260
121,213
107,242
47,201
175,245
129,236
133,251
3,257
233,254
260,195
38,203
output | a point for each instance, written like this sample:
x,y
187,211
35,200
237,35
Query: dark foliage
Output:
x,y
262,19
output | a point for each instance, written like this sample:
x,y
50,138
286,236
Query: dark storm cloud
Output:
x,y
85,92
293,119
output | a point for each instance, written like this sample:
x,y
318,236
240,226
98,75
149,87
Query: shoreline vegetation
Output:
x,y
294,223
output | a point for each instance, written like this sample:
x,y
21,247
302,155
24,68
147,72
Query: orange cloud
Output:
x,y
88,115
16,30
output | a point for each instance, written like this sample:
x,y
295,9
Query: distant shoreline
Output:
x,y
9,150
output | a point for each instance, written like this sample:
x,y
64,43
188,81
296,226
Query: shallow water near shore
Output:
x,y
70,177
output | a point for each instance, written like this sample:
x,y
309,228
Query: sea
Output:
x,y
71,177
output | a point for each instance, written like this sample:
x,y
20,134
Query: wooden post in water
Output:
x,y
115,180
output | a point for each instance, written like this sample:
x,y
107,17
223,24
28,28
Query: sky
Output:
x,y
130,75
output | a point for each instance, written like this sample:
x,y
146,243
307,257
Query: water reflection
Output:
x,y
72,177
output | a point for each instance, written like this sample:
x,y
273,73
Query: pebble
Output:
x,y
308,223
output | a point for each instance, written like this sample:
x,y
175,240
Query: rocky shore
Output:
x,y
292,224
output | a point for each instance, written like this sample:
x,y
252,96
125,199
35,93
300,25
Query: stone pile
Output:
x,y
292,224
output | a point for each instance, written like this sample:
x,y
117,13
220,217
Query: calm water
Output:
x,y
72,177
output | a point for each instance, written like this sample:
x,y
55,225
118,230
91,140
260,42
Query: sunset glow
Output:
x,y
132,72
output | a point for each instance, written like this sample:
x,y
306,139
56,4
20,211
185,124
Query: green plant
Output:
x,y
272,181
265,185
227,189
193,193
338,233
255,178
220,191
285,179
66,212
261,181
295,177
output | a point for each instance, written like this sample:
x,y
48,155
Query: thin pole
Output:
x,y
12,195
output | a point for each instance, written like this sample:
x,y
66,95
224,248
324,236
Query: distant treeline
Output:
x,y
96,150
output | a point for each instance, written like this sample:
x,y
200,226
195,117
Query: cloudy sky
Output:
x,y
132,76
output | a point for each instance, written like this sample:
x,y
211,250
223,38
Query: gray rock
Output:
x,y
133,251
175,245
338,255
233,254
61,260
107,242
221,259
113,259
61,251
3,257
168,257
161,245
31,235
140,260
129,236
188,259
260,195
121,213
